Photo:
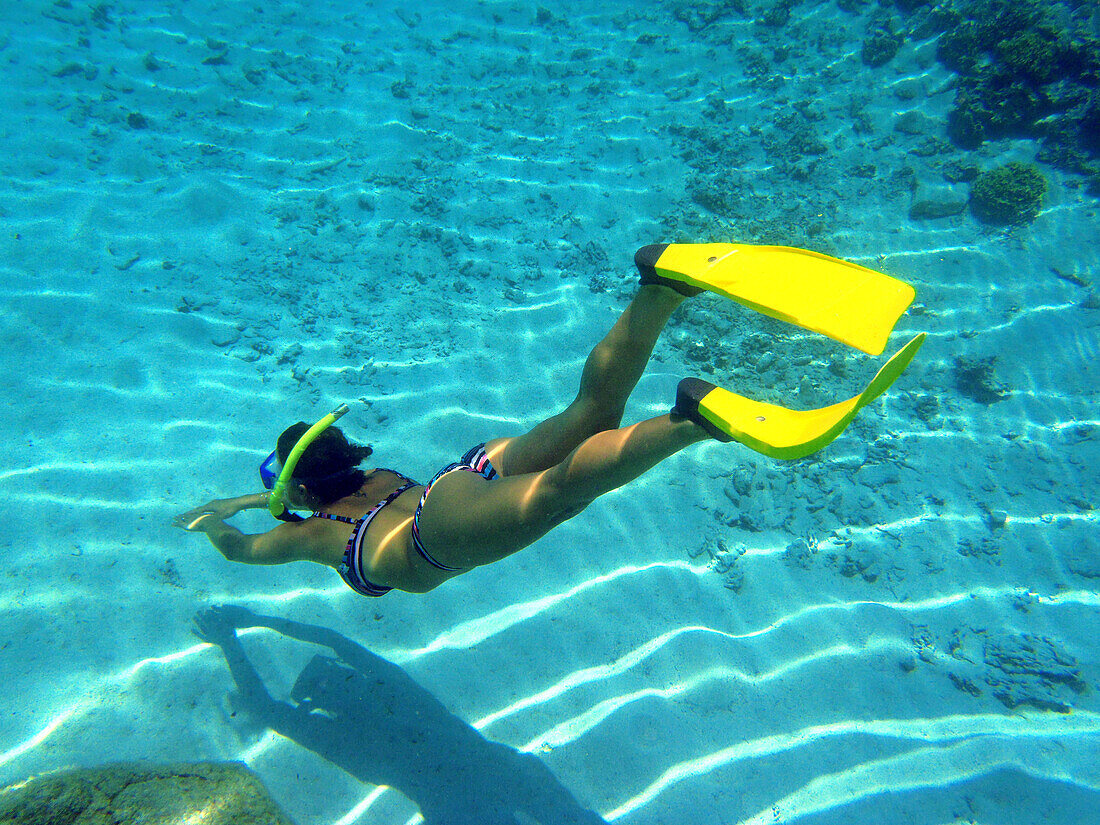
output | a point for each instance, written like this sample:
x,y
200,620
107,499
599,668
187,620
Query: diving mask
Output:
x,y
276,479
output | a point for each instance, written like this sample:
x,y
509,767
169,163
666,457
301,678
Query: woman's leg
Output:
x,y
609,376
468,521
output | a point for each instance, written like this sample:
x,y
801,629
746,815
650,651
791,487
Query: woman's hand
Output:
x,y
208,514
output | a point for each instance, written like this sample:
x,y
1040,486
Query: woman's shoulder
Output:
x,y
380,491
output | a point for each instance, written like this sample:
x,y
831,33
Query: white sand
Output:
x,y
196,254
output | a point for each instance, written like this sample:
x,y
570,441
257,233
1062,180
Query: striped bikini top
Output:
x,y
351,567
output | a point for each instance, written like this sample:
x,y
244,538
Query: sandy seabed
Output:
x,y
220,218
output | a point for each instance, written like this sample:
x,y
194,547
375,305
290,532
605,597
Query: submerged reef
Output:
x,y
1021,75
1017,669
974,379
698,16
880,47
715,149
132,794
1010,194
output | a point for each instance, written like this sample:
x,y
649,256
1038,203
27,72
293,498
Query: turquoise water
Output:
x,y
220,218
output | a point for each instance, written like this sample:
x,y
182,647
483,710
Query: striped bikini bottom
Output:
x,y
475,461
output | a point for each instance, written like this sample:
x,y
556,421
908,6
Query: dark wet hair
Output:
x,y
328,467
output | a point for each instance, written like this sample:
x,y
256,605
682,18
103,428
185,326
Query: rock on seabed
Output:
x,y
212,793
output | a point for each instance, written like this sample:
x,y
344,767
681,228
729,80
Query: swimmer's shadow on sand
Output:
x,y
368,717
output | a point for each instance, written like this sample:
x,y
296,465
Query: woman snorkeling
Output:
x,y
499,498
508,492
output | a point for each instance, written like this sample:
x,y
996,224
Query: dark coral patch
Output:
x,y
1007,195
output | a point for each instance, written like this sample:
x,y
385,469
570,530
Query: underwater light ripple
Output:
x,y
69,467
1035,431
640,653
42,735
76,501
941,250
474,631
975,730
625,662
526,308
364,805
216,388
121,676
572,729
24,295
936,767
266,742
594,674
889,528
825,793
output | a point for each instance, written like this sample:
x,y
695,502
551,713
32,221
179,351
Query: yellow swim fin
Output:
x,y
777,431
844,301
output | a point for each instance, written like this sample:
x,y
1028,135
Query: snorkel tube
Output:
x,y
275,502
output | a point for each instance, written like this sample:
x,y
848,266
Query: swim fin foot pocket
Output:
x,y
776,431
689,393
646,259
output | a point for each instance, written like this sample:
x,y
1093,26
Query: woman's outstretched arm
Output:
x,y
279,545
